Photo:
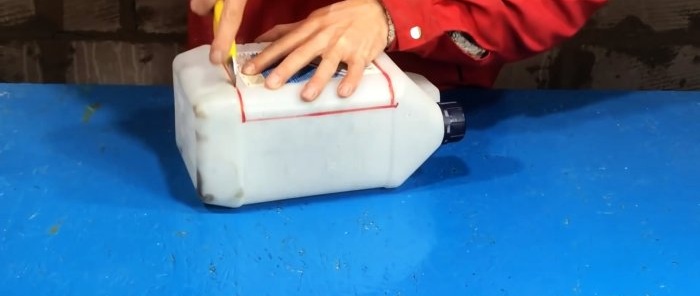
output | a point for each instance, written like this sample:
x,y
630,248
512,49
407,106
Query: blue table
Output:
x,y
550,193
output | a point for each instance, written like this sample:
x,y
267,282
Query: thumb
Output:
x,y
201,7
225,34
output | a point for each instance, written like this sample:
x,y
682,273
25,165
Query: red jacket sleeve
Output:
x,y
508,29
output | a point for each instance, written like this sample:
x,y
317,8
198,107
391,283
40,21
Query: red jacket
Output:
x,y
497,32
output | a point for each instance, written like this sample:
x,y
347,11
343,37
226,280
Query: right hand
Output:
x,y
231,17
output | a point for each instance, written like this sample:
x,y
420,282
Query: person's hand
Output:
x,y
231,17
352,31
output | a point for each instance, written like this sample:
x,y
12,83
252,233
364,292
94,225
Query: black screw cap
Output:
x,y
454,120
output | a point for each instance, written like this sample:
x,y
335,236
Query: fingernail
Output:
x,y
309,93
217,57
345,90
273,80
249,68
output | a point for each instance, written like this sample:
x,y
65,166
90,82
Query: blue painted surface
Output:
x,y
550,193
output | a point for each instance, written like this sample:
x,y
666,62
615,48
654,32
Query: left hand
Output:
x,y
351,31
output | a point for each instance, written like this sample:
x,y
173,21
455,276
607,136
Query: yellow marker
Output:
x,y
218,8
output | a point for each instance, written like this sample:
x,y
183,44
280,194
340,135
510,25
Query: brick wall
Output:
x,y
90,41
631,44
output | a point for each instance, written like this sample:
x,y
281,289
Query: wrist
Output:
x,y
391,30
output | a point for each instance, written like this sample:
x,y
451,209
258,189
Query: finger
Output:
x,y
276,32
280,48
324,73
202,7
231,17
356,68
296,60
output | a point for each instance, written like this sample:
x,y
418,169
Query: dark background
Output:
x,y
630,44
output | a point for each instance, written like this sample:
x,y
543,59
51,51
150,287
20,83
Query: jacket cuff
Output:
x,y
412,27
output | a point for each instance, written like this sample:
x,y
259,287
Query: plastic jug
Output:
x,y
248,144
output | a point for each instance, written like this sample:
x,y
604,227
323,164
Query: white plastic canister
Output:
x,y
248,144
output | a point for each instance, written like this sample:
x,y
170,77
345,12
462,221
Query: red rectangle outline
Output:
x,y
392,103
